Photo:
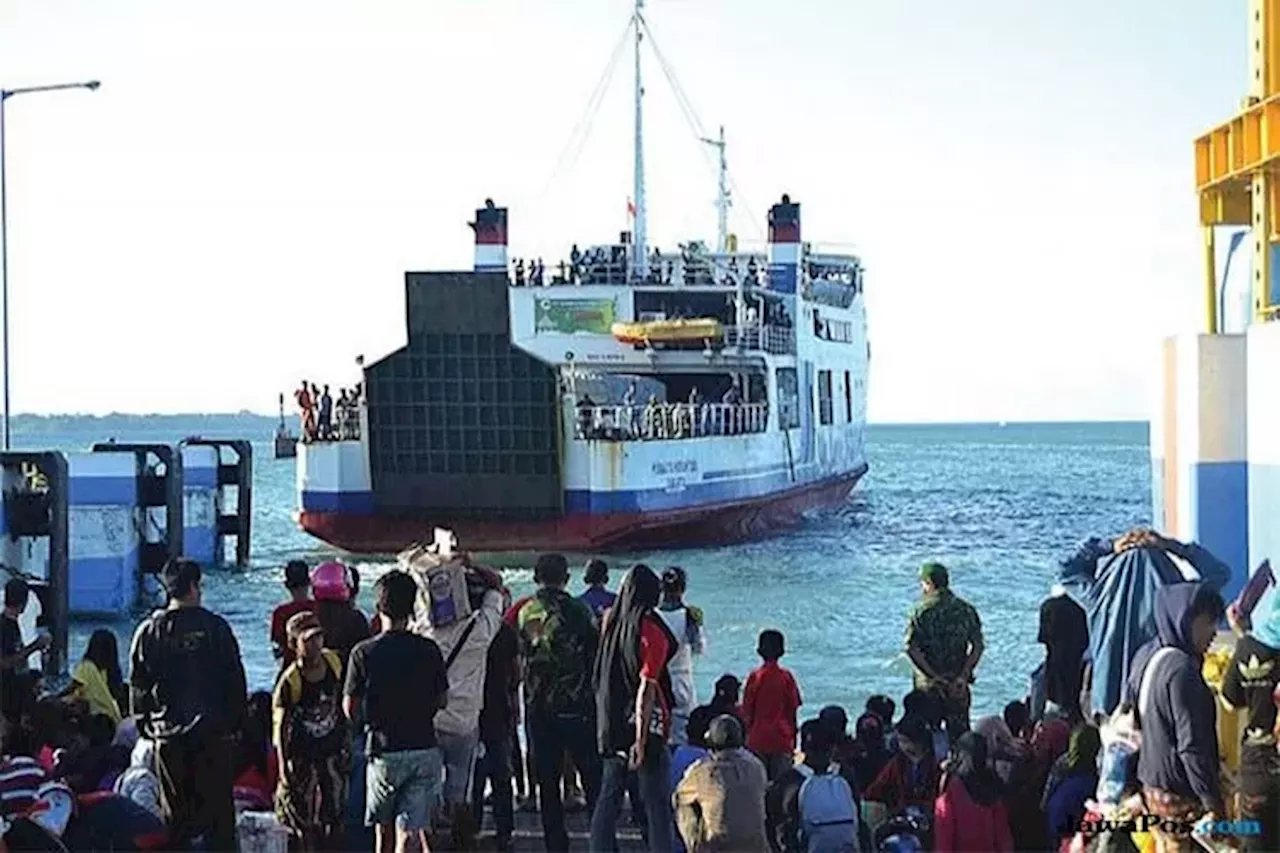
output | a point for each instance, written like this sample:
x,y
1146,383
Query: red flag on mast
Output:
x,y
631,208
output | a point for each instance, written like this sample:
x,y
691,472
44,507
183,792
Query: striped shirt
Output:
x,y
20,779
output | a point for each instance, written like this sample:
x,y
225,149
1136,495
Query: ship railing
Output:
x,y
670,421
726,271
776,340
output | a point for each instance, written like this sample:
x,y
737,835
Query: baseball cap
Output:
x,y
302,626
935,572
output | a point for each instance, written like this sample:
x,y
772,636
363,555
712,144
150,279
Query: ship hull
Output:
x,y
687,527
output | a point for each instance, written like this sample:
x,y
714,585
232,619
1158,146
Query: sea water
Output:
x,y
999,505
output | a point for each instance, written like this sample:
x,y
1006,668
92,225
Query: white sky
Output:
x,y
235,207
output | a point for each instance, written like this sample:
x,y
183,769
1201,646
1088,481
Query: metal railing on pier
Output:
x,y
669,421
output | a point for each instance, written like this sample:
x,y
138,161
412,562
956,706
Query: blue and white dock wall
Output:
x,y
1199,451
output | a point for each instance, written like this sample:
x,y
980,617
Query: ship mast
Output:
x,y
722,197
640,241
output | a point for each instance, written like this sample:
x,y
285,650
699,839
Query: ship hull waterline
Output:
x,y
716,524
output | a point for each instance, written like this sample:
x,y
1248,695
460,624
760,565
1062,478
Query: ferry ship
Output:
x,y
622,399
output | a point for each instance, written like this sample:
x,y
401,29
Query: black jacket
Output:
x,y
1179,733
186,675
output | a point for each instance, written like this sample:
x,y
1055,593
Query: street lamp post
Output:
x,y
5,95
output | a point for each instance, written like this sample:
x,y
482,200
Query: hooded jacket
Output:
x,y
1179,733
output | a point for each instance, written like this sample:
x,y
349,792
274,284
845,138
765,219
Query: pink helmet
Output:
x,y
329,582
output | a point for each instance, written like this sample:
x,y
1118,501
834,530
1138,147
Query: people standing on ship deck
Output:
x,y
326,415
1178,762
575,264
297,581
1250,684
685,624
597,596
633,716
306,405
944,643
395,682
558,642
519,271
537,272
17,686
310,736
190,694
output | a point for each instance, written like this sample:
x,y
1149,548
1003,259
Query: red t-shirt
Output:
x,y
279,619
769,704
655,648
512,616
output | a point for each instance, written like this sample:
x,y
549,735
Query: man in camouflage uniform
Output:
x,y
944,642
558,641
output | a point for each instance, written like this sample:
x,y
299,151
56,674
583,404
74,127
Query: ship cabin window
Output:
x,y
826,413
848,399
788,398
619,407
685,305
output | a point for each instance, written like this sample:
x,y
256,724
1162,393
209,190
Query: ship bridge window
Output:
x,y
848,399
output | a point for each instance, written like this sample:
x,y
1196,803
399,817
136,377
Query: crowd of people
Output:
x,y
395,731
326,419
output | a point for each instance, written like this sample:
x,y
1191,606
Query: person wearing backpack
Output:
x,y
811,807
558,641
719,803
1176,713
310,737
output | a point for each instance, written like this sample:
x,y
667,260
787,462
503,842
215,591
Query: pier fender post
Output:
x,y
34,489
237,474
104,537
1199,449
159,513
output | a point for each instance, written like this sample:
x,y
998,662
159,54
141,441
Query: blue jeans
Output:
x,y
654,777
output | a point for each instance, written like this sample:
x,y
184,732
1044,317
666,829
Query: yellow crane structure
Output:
x,y
1238,168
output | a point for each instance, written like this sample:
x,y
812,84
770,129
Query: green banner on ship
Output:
x,y
574,316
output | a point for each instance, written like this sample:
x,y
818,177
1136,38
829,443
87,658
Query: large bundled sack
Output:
x,y
1117,591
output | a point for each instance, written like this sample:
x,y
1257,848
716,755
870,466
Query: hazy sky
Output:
x,y
235,207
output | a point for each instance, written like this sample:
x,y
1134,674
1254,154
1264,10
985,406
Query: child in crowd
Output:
x,y
769,707
910,778
727,698
924,707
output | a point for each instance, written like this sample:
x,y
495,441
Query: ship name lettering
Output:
x,y
676,466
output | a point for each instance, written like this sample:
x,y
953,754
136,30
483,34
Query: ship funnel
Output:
x,y
490,227
784,245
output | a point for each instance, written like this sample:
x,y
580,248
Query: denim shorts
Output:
x,y
402,787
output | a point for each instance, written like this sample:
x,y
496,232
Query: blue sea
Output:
x,y
1000,505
